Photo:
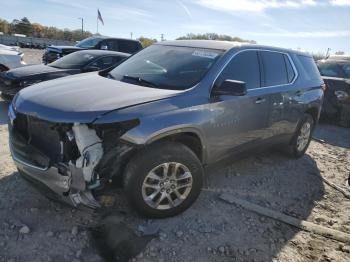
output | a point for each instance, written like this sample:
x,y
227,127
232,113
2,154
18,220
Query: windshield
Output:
x,y
167,67
75,60
88,42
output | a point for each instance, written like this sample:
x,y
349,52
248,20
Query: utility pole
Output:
x,y
131,34
82,26
162,37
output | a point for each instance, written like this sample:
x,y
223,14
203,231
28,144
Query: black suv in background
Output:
x,y
98,42
335,72
157,118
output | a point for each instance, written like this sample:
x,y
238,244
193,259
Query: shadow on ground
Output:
x,y
210,230
333,135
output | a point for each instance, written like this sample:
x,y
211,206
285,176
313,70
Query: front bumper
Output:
x,y
69,188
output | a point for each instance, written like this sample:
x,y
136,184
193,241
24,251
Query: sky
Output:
x,y
308,25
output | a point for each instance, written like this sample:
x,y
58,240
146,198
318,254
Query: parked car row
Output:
x,y
12,81
158,118
101,42
335,72
10,58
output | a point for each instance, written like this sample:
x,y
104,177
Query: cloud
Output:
x,y
319,34
340,2
187,11
254,5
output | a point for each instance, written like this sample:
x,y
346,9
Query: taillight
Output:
x,y
324,87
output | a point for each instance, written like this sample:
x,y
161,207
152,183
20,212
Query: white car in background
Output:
x,y
11,48
10,59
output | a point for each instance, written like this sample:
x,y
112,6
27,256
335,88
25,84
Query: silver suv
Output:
x,y
159,117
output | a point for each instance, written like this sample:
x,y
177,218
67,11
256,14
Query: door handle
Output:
x,y
260,100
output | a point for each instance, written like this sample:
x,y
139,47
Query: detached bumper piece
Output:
x,y
56,186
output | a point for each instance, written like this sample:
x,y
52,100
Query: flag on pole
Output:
x,y
99,17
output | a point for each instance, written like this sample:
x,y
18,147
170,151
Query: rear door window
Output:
x,y
109,44
275,70
243,67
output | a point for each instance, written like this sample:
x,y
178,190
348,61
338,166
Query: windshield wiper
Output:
x,y
140,80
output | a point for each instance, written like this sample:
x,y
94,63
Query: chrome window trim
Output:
x,y
257,50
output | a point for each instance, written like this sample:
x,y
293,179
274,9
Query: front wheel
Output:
x,y
302,137
163,180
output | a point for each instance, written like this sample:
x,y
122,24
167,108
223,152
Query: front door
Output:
x,y
239,122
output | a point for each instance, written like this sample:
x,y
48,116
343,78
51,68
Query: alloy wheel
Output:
x,y
167,185
304,136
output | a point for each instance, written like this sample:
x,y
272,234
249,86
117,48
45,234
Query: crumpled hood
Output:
x,y
82,98
27,71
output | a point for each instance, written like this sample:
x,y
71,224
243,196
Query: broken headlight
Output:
x,y
341,95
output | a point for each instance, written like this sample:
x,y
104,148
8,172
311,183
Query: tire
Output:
x,y
344,116
140,183
298,146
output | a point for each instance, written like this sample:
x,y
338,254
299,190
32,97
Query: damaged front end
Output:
x,y
72,161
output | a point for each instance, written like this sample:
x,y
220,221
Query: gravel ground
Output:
x,y
33,228
32,56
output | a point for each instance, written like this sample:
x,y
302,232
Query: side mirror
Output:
x,y
91,69
230,88
104,47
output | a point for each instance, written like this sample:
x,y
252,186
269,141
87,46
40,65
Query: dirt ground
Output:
x,y
33,228
32,56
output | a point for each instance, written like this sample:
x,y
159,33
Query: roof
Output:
x,y
109,37
223,45
95,52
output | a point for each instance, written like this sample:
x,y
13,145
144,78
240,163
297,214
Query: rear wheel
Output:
x,y
163,180
302,137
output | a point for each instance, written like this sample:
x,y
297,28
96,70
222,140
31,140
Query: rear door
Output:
x,y
278,75
241,120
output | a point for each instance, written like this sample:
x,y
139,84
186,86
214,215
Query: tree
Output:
x,y
214,36
146,41
340,53
22,26
4,26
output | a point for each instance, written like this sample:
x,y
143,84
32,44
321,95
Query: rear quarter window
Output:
x,y
309,67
